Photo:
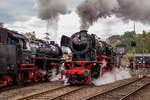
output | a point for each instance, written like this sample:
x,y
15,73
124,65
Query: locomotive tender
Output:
x,y
23,60
91,57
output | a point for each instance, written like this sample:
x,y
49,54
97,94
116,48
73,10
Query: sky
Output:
x,y
21,16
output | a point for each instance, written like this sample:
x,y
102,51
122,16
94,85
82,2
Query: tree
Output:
x,y
128,37
31,35
114,39
129,34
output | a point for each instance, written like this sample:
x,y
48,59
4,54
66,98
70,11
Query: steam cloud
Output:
x,y
91,10
110,77
50,10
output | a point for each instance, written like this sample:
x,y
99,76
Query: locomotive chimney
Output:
x,y
83,31
52,42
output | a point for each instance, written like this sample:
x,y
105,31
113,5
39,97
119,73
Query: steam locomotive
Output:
x,y
91,57
23,60
139,61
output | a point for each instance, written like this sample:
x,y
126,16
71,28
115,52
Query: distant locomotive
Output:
x,y
140,61
91,57
23,60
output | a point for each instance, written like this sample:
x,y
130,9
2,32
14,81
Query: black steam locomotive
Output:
x,y
41,48
140,61
23,60
91,57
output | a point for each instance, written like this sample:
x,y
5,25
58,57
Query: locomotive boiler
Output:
x,y
41,48
91,57
23,60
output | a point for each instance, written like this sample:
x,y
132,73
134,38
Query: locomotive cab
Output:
x,y
13,53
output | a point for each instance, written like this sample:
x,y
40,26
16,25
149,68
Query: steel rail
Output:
x,y
132,93
41,93
71,92
107,91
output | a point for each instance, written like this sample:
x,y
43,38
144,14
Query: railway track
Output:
x,y
65,93
68,94
132,94
54,93
138,91
122,92
11,87
16,92
116,92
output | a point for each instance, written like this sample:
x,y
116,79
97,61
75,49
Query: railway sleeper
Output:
x,y
42,98
132,88
46,96
107,98
118,94
113,95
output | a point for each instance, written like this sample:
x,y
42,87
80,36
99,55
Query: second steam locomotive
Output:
x,y
23,60
91,57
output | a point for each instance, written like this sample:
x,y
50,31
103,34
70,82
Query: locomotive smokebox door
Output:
x,y
7,59
65,41
121,49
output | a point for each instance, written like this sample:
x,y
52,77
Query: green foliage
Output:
x,y
31,35
142,41
129,34
115,37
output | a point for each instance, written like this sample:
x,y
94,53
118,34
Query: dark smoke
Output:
x,y
136,10
91,10
49,10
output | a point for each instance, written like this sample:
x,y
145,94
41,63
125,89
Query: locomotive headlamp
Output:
x,y
78,35
63,64
63,72
85,72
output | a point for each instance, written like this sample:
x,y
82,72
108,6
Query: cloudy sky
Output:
x,y
21,15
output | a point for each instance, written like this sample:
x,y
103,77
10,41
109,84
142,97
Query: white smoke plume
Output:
x,y
52,28
91,10
110,77
55,77
49,10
